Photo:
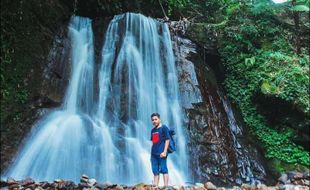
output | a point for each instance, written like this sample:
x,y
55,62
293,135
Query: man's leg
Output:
x,y
164,170
166,179
155,168
156,180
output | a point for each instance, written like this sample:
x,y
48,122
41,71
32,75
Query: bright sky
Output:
x,y
279,1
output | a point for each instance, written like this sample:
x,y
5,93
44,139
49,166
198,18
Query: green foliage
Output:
x,y
13,68
213,11
176,5
300,8
260,59
283,167
256,47
110,8
232,8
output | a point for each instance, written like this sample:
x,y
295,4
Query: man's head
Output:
x,y
155,119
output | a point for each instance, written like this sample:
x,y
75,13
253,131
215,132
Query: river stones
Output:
x,y
288,181
92,182
140,186
283,179
12,184
84,179
248,187
262,187
210,186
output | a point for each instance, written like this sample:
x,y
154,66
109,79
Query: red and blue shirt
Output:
x,y
158,137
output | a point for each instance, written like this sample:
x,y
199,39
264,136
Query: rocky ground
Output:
x,y
288,181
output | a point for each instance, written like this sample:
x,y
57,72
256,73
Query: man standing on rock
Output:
x,y
160,140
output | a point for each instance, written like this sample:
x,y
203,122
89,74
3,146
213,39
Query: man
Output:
x,y
160,140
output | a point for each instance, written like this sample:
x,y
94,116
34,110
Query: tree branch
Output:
x,y
162,8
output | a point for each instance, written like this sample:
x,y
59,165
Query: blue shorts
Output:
x,y
159,165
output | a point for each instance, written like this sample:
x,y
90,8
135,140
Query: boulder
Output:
x,y
10,180
294,187
273,188
101,186
92,182
3,184
262,187
39,188
117,187
26,182
297,176
140,186
283,179
57,180
84,179
248,187
178,187
210,186
236,188
83,185
14,186
199,184
45,185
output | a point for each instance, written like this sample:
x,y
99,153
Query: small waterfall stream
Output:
x,y
103,127
106,135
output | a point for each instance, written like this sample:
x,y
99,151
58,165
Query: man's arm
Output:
x,y
164,154
151,134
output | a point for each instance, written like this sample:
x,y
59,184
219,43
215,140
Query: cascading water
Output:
x,y
107,135
218,145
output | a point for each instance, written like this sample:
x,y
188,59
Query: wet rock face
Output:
x,y
289,115
57,71
48,93
32,112
205,35
217,146
188,83
32,24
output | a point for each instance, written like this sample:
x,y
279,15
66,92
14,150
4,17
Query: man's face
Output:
x,y
155,121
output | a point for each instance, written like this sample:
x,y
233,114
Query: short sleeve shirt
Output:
x,y
158,137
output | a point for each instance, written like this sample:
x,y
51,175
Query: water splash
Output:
x,y
110,139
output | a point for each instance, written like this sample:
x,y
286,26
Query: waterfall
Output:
x,y
106,135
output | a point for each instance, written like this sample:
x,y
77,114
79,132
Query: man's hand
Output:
x,y
163,154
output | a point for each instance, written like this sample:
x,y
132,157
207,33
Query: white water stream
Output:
x,y
106,135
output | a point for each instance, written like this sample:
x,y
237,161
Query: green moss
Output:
x,y
259,58
258,52
197,32
267,88
27,28
282,167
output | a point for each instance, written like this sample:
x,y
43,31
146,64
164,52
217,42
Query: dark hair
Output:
x,y
155,114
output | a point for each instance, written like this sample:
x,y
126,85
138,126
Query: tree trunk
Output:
x,y
163,10
296,22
